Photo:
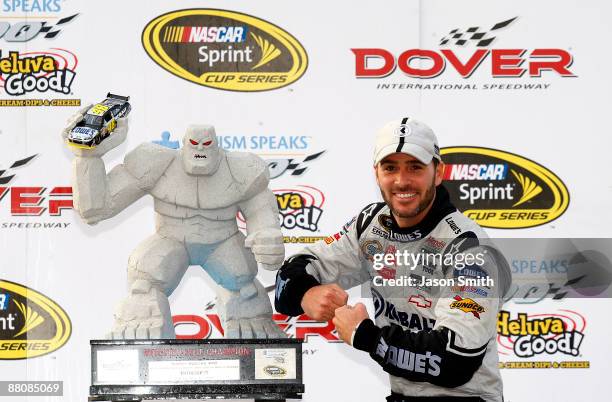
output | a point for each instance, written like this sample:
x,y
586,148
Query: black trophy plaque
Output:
x,y
136,370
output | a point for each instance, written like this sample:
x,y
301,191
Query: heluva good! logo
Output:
x,y
502,190
299,207
527,336
224,50
31,324
40,72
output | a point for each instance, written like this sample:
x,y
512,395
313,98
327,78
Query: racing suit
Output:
x,y
434,341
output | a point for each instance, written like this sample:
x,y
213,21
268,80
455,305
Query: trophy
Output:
x,y
198,191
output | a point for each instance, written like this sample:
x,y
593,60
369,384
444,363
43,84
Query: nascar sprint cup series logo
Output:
x,y
502,190
31,324
224,50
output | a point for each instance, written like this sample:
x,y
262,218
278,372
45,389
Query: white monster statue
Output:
x,y
197,191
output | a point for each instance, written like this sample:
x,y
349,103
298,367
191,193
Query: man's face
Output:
x,y
408,186
200,152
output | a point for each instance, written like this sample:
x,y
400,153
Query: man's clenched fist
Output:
x,y
320,302
347,319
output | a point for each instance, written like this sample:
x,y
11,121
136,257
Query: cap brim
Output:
x,y
410,149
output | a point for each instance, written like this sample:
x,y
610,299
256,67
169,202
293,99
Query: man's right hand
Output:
x,y
116,138
320,302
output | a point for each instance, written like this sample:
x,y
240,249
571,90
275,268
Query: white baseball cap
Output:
x,y
408,136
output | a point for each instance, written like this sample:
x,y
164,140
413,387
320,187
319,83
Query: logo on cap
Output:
x,y
403,130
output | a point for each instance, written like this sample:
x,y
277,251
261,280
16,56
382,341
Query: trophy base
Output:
x,y
139,370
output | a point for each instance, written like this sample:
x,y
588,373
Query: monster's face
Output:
x,y
200,152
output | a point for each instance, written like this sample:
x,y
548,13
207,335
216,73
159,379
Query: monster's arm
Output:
x,y
259,206
260,210
99,196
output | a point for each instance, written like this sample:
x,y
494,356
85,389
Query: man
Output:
x,y
436,342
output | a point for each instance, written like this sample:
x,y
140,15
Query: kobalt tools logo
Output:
x,y
412,321
31,324
474,49
224,50
31,200
527,336
31,28
498,189
299,208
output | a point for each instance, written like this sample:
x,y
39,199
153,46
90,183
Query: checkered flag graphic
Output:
x,y
475,34
16,164
49,31
298,169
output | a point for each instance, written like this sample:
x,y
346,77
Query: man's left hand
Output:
x,y
347,319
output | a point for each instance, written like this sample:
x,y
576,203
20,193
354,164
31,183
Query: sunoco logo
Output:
x,y
31,324
224,50
498,189
299,208
533,335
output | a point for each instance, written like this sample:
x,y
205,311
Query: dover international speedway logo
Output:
x,y
31,324
502,190
224,50
465,56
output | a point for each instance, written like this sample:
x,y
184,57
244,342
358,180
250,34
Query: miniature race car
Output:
x,y
99,121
